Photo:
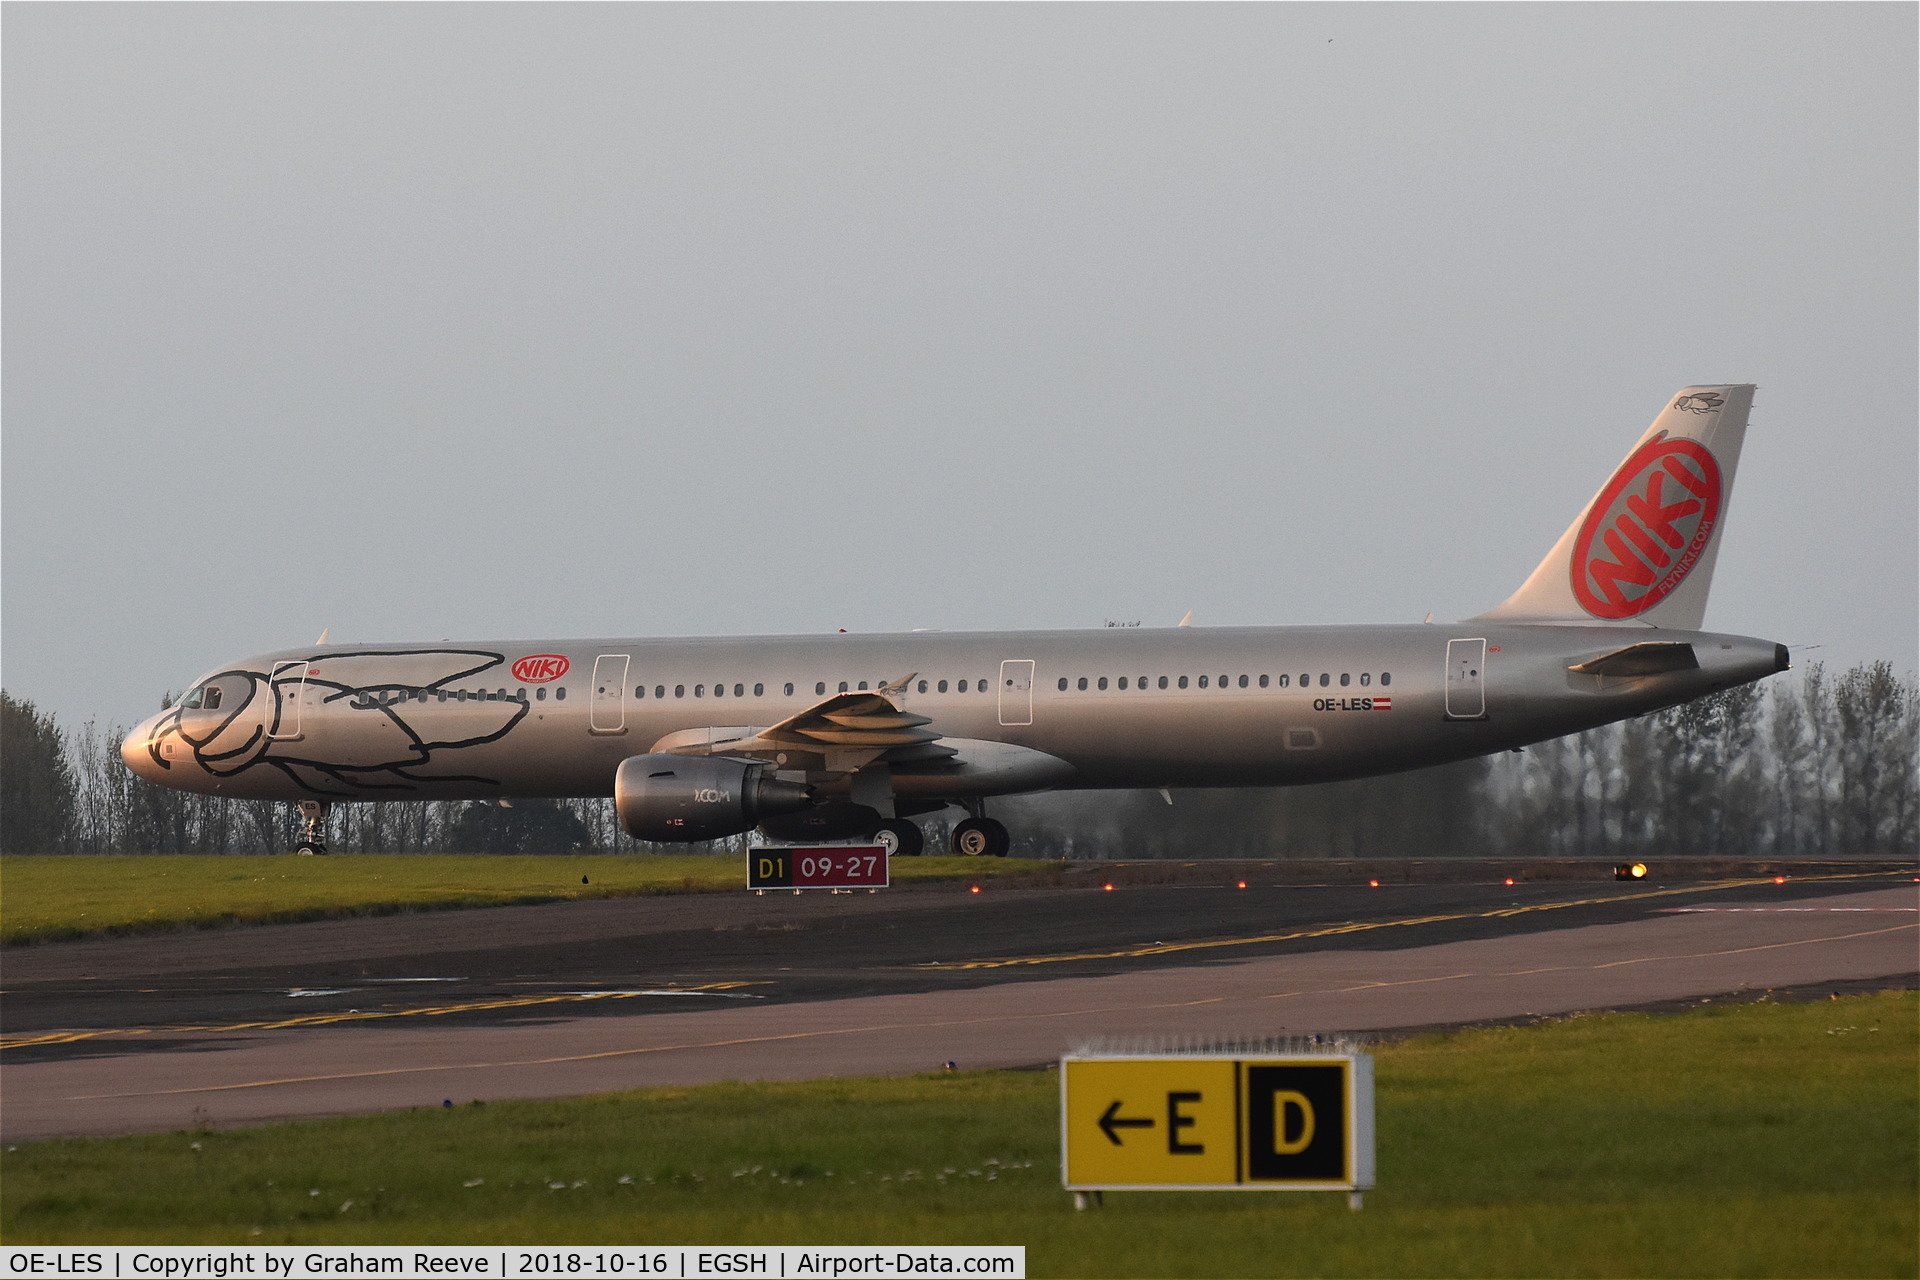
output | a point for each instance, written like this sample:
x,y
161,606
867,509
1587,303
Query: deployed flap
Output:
x,y
844,732
1643,549
852,720
1652,659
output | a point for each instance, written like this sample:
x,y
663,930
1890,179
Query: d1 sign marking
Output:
x,y
833,866
539,668
1647,529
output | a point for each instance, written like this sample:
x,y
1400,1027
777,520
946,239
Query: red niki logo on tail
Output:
x,y
1647,529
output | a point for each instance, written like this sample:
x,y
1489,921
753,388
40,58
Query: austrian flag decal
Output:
x,y
1383,704
1647,529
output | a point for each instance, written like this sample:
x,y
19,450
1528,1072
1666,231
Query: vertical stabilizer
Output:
x,y
1642,551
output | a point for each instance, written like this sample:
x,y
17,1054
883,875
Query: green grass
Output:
x,y
45,898
1753,1140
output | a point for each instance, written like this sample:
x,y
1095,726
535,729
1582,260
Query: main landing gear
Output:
x,y
981,838
314,838
901,838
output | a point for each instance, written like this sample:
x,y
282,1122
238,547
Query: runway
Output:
x,y
252,1025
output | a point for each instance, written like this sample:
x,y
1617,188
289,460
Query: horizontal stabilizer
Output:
x,y
1641,660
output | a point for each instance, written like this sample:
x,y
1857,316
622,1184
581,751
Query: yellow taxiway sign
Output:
x,y
1202,1122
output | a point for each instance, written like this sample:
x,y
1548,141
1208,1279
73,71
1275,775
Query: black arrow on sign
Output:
x,y
1109,1122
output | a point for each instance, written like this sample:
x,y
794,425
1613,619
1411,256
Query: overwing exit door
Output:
x,y
1016,691
1466,679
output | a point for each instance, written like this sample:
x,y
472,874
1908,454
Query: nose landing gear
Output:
x,y
314,838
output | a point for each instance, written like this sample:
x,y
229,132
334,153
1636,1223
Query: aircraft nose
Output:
x,y
134,750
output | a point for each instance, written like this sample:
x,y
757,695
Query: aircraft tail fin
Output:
x,y
1643,549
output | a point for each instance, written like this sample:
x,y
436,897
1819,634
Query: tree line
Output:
x,y
1822,766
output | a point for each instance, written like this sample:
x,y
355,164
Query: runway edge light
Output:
x,y
1242,1117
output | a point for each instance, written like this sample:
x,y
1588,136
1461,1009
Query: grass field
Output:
x,y
1755,1140
67,897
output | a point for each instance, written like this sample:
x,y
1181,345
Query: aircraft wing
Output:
x,y
838,734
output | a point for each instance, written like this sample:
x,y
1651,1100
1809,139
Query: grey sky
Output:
x,y
521,321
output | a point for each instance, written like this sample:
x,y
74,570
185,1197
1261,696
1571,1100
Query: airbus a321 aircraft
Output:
x,y
839,736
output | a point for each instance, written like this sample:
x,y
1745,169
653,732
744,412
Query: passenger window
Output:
x,y
961,687
789,689
942,686
1325,679
540,695
1163,682
1283,681
1083,684
923,686
1203,682
679,691
759,690
1123,682
1305,679
981,685
1103,682
659,691
1224,682
1183,682
560,694
1063,684
1365,679
639,691
519,695
843,686
820,687
863,686
1345,679
1386,677
1142,682
1263,682
699,691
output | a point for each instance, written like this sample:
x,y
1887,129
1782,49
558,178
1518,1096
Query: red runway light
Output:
x,y
1373,884
1779,879
1243,883
975,889
1509,879
1107,887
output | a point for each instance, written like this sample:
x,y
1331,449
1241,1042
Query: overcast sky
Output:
x,y
499,321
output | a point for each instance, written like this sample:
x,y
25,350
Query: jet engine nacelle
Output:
x,y
686,798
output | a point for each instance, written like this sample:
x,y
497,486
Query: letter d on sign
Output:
x,y
1284,1102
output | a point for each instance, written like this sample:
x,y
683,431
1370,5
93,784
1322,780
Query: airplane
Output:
x,y
823,738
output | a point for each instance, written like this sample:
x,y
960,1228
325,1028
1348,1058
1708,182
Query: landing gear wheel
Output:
x,y
900,838
981,837
313,840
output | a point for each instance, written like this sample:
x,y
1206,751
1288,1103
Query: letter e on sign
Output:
x,y
539,668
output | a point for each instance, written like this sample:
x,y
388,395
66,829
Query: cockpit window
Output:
x,y
204,698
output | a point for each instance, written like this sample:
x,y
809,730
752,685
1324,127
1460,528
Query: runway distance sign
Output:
x,y
834,866
1194,1122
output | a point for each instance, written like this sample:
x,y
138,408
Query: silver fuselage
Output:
x,y
1252,706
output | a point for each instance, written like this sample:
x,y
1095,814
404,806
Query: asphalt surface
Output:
x,y
249,1025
